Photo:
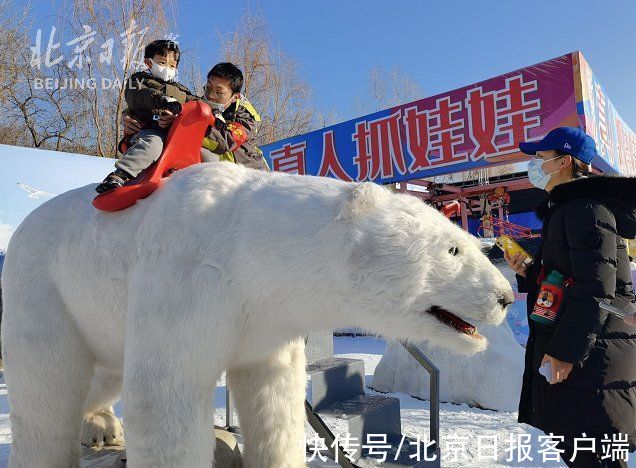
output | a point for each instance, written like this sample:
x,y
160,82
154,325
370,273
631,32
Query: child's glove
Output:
x,y
172,105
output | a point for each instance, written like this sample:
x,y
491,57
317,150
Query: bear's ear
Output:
x,y
360,198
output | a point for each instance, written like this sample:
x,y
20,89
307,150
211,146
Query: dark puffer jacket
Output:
x,y
585,222
145,96
221,138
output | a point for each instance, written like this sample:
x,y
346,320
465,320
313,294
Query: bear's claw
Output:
x,y
102,429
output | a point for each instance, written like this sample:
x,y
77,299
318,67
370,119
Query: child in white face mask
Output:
x,y
153,99
233,136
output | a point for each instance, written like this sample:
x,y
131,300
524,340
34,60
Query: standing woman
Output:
x,y
592,355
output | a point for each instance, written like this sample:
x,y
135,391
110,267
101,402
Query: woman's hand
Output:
x,y
166,119
131,126
516,263
560,370
630,319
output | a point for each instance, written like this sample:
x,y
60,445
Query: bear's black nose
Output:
x,y
507,299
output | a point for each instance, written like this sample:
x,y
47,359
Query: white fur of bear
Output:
x,y
222,268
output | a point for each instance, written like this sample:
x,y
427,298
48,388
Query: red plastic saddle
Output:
x,y
181,149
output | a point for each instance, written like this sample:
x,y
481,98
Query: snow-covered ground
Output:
x,y
465,433
461,426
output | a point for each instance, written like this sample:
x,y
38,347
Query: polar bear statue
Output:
x,y
223,268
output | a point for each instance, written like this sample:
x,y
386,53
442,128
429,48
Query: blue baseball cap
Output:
x,y
570,140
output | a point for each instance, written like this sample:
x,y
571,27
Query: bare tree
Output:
x,y
11,36
190,69
271,79
384,89
387,89
48,113
41,116
111,36
126,25
74,104
326,118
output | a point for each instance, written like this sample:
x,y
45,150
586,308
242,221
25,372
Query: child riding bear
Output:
x,y
154,99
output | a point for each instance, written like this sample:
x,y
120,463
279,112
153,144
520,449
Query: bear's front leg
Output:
x,y
168,414
174,355
270,396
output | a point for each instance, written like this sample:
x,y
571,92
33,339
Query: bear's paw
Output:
x,y
102,429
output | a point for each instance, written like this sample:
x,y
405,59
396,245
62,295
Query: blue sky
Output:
x,y
441,45
57,173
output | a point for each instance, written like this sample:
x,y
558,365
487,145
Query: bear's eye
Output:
x,y
453,251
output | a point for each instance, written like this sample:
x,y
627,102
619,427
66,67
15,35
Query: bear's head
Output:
x,y
417,275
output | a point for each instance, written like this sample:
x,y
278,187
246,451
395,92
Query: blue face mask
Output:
x,y
536,175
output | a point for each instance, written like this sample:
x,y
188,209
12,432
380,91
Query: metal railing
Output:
x,y
318,425
229,411
433,373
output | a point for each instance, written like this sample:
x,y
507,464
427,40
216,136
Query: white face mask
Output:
x,y
215,105
536,175
162,72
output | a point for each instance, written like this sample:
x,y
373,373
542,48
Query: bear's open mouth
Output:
x,y
453,321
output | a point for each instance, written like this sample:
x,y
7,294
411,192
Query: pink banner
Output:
x,y
473,127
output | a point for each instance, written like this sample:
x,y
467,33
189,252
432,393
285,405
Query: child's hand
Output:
x,y
131,126
171,105
166,119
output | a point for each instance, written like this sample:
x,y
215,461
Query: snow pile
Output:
x,y
490,380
